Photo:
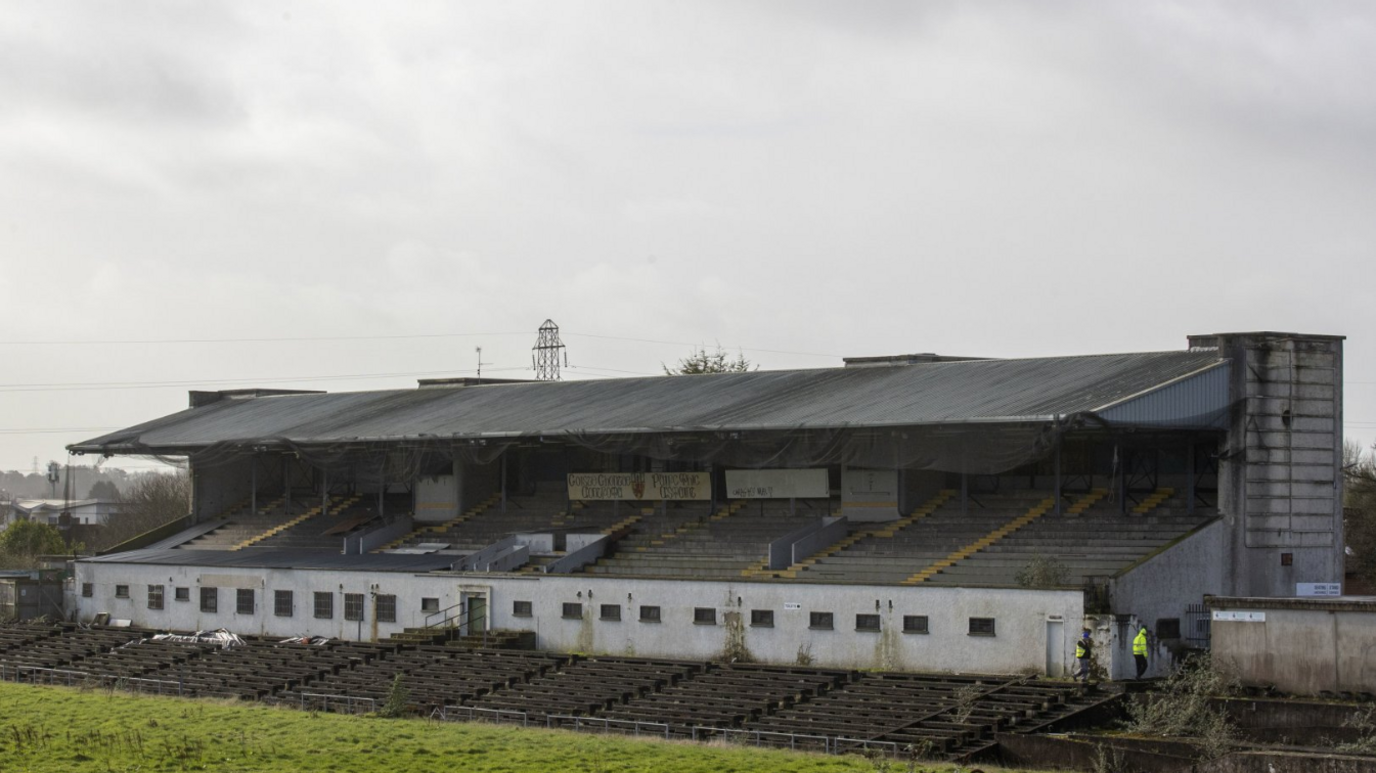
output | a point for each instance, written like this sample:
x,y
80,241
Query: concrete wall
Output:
x,y
1279,481
1019,643
1302,651
1161,588
437,499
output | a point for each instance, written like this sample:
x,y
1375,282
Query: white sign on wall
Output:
x,y
777,484
1236,616
792,606
639,486
1318,589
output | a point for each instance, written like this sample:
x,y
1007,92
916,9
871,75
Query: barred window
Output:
x,y
521,609
649,614
867,622
210,599
386,608
283,603
88,589
121,591
429,605
573,610
915,624
324,605
762,618
155,596
981,626
182,594
243,601
821,621
353,606
704,616
611,612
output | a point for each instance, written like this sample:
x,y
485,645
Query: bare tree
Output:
x,y
151,501
1359,474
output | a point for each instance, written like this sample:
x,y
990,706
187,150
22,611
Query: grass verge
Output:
x,y
67,729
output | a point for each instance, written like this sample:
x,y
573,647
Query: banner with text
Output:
x,y
777,484
639,486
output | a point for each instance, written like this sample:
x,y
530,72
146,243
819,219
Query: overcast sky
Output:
x,y
800,180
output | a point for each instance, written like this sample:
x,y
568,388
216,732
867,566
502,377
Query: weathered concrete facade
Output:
x,y
1301,646
1034,630
1279,483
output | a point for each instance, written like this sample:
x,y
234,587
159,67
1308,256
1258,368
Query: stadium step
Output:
x,y
884,531
1153,501
1037,511
440,528
329,507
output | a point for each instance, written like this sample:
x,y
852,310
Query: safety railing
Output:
x,y
72,678
829,744
624,726
309,701
478,714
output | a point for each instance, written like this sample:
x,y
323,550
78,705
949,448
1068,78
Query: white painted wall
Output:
x,y
1019,643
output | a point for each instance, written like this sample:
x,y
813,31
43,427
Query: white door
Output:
x,y
1055,649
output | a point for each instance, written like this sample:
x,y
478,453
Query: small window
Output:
x,y
429,605
155,596
1287,559
573,611
353,606
762,618
649,614
88,589
1168,628
704,616
521,609
915,624
121,591
981,626
611,612
181,594
244,602
283,603
821,621
867,622
324,605
210,599
386,608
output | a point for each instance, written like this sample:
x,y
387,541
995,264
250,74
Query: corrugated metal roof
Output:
x,y
1019,390
281,559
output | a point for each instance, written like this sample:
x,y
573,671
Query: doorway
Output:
x,y
1055,648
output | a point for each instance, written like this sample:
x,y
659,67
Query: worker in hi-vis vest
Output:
x,y
1082,656
1139,651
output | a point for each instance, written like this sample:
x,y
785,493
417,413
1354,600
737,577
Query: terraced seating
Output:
x,y
260,668
487,523
326,531
685,542
141,658
67,644
243,523
952,716
728,696
1100,541
434,676
585,687
888,555
20,635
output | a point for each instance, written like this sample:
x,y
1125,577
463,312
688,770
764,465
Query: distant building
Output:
x,y
84,512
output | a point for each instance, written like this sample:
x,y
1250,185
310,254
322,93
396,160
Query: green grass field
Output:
x,y
66,729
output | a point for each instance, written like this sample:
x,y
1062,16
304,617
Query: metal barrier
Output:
x,y
828,743
476,714
349,702
579,723
70,678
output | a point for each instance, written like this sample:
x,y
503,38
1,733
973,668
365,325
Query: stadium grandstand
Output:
x,y
898,514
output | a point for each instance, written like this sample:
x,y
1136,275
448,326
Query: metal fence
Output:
x,y
312,701
70,678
